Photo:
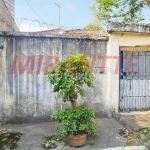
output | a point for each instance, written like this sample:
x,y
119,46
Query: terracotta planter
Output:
x,y
77,140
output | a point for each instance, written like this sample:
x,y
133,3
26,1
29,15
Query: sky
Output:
x,y
74,14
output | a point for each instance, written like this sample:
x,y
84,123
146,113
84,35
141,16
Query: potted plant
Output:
x,y
68,78
76,124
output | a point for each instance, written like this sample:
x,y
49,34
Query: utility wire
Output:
x,y
34,11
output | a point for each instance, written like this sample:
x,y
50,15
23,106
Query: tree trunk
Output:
x,y
74,102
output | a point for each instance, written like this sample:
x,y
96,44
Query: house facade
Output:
x,y
119,60
130,85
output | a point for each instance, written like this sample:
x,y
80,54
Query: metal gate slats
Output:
x,y
135,66
147,65
136,99
135,84
141,65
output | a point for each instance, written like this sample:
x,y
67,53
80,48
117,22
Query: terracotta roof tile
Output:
x,y
89,32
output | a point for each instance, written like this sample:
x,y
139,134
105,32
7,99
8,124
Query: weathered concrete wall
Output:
x,y
2,75
98,96
7,23
25,93
128,27
113,75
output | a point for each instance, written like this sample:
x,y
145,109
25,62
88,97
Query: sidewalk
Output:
x,y
34,136
127,148
135,120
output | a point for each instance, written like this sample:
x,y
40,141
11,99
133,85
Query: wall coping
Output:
x,y
44,35
128,27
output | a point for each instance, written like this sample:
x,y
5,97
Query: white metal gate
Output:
x,y
134,81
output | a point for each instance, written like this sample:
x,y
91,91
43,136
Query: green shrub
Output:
x,y
74,121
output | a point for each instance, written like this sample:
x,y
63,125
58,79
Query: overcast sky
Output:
x,y
74,13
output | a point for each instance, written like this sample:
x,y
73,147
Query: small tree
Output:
x,y
69,76
94,25
120,10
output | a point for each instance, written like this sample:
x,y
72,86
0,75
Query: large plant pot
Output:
x,y
77,140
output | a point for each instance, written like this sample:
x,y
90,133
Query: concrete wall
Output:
x,y
7,23
25,93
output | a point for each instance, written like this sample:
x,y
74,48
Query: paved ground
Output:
x,y
34,135
127,148
135,120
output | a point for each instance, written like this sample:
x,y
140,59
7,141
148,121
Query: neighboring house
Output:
x,y
7,22
11,6
130,85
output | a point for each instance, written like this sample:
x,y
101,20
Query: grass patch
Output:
x,y
140,138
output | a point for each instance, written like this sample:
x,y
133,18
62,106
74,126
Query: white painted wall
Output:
x,y
130,39
113,51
